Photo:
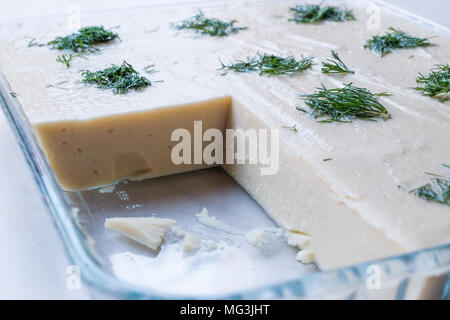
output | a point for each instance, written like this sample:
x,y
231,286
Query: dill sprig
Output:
x,y
394,39
212,27
345,104
313,13
335,66
150,69
34,43
437,190
65,59
55,87
120,79
84,40
437,82
13,94
270,64
292,128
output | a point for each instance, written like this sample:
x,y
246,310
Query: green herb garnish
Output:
x,y
80,42
55,87
393,40
13,94
312,13
345,104
437,190
120,79
437,82
293,128
212,27
327,159
335,66
270,64
34,43
84,40
150,69
65,59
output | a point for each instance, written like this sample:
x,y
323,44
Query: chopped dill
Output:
x,y
120,79
270,64
150,69
437,190
34,43
345,104
79,43
13,94
293,128
84,40
55,87
394,39
212,27
327,159
313,13
65,59
437,82
335,66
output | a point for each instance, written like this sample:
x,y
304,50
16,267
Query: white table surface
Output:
x,y
33,263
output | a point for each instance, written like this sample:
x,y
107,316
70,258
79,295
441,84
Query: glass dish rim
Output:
x,y
76,243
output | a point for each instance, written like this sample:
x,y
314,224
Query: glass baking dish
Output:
x,y
116,267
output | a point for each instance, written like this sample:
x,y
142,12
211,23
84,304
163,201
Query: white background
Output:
x,y
33,263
